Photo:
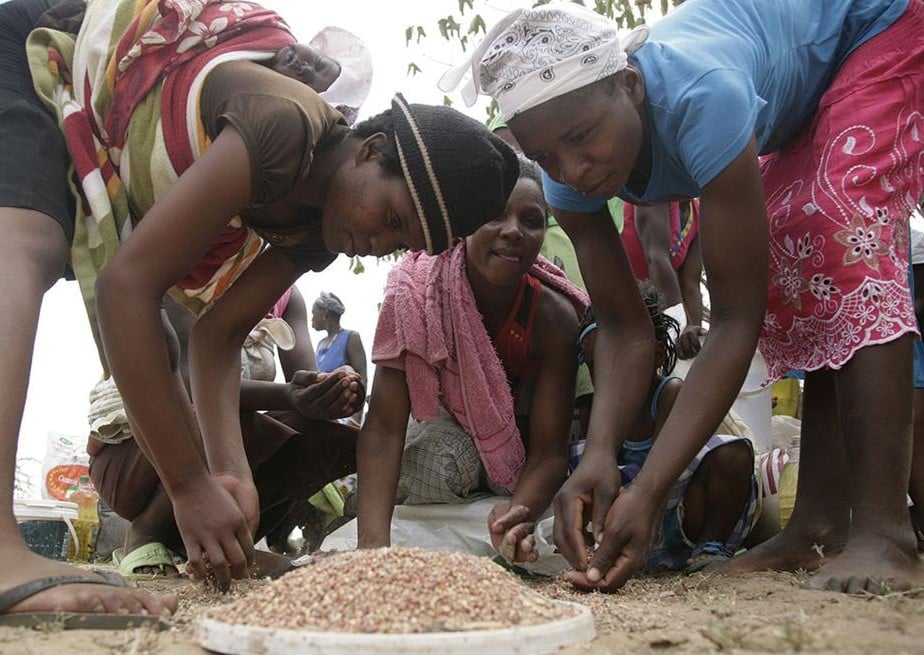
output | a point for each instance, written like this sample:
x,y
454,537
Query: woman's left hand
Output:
x,y
512,532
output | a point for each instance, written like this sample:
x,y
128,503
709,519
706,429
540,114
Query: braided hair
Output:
x,y
666,328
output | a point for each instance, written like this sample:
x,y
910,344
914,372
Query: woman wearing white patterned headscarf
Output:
x,y
806,251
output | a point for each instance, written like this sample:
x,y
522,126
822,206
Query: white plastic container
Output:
x,y
754,402
47,525
235,639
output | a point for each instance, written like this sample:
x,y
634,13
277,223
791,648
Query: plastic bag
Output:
x,y
65,461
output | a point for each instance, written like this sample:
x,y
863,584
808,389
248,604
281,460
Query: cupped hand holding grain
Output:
x,y
628,532
326,396
586,495
512,532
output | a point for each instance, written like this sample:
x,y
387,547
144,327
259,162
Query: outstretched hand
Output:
x,y
327,396
217,517
512,532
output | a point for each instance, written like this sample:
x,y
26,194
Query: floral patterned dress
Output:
x,y
838,202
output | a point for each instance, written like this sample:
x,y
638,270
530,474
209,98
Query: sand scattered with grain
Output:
x,y
394,590
702,614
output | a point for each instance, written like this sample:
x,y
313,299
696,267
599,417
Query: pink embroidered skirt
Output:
x,y
838,201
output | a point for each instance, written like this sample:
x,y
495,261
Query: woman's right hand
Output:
x,y
586,496
214,515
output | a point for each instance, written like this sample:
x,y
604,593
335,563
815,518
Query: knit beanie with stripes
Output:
x,y
459,174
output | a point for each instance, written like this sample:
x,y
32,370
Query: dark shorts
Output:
x,y
33,156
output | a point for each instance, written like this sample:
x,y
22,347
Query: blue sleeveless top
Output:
x,y
333,356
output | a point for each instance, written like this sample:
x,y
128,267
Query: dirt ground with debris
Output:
x,y
703,613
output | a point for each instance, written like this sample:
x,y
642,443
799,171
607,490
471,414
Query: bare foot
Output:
x,y
872,563
790,550
86,598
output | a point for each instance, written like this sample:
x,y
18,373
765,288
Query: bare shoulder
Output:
x,y
557,320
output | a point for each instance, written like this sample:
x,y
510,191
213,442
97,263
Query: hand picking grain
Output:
x,y
395,590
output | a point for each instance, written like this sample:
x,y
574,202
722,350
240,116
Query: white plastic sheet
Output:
x,y
458,527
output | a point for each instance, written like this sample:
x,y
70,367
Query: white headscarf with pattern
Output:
x,y
533,55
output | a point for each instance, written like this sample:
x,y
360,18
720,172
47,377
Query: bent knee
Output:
x,y
734,460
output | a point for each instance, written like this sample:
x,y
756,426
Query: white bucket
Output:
x,y
39,521
754,402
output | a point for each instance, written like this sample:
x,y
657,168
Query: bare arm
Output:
x,y
182,321
301,357
171,239
356,355
215,513
690,275
625,337
356,358
214,355
624,359
554,349
735,253
653,224
378,456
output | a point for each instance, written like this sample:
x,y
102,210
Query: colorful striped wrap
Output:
x,y
126,93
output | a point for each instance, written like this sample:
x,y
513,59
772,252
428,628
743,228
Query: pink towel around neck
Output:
x,y
430,327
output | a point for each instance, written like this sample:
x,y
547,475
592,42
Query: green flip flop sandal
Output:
x,y
154,555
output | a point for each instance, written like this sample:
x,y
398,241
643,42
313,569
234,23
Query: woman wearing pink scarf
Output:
x,y
486,332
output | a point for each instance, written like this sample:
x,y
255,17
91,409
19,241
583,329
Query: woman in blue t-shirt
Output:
x,y
340,347
805,249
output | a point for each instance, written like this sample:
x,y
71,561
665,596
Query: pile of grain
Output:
x,y
394,590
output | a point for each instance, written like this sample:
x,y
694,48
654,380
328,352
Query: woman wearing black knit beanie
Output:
x,y
443,156
184,202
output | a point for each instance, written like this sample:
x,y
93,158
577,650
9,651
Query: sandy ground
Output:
x,y
704,613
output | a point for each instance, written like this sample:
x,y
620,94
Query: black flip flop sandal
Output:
x,y
69,620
